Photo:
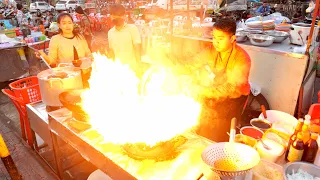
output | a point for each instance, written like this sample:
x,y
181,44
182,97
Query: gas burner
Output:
x,y
162,151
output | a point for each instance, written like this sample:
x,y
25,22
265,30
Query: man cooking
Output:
x,y
124,39
223,92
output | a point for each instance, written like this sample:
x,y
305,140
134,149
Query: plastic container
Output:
x,y
252,132
27,89
273,154
267,171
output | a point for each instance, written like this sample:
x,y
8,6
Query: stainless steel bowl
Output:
x,y
307,167
261,40
279,35
250,31
241,36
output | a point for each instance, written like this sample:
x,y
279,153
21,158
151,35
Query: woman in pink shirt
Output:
x,y
62,45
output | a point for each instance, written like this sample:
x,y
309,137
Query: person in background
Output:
x,y
297,17
2,26
124,40
38,17
48,19
30,23
61,47
224,88
21,18
85,25
264,9
42,28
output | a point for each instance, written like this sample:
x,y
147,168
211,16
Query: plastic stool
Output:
x,y
24,122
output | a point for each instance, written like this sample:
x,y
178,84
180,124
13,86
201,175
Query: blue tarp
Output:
x,y
7,23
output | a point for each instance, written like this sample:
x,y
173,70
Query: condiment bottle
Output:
x,y
296,149
317,160
305,134
307,121
294,136
310,152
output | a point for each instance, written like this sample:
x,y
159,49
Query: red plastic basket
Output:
x,y
27,89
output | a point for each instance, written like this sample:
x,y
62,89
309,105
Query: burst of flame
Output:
x,y
122,115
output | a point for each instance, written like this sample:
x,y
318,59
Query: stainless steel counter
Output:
x,y
284,48
111,159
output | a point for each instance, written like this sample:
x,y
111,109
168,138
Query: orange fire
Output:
x,y
122,115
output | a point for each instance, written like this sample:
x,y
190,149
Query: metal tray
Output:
x,y
307,167
261,40
279,35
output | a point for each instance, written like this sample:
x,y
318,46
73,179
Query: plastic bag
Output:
x,y
255,89
241,25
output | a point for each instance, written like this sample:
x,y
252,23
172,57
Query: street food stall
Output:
x,y
130,128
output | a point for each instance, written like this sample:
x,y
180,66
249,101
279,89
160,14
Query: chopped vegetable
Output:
x,y
300,175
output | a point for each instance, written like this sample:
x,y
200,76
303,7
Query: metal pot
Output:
x,y
50,88
279,35
261,40
241,36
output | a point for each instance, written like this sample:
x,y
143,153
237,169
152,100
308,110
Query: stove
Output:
x,y
179,158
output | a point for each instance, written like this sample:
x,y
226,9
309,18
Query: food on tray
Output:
x,y
300,175
267,170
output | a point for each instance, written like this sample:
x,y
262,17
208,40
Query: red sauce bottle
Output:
x,y
311,150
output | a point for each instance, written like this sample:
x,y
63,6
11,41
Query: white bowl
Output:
x,y
281,121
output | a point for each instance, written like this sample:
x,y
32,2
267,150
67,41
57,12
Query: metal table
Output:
x,y
112,160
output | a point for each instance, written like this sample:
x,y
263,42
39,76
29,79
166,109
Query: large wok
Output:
x,y
71,99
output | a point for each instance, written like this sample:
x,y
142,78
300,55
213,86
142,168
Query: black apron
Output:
x,y
216,115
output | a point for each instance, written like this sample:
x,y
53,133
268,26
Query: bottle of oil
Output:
x,y
310,152
296,149
294,136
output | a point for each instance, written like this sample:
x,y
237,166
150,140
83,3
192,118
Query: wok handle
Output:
x,y
233,129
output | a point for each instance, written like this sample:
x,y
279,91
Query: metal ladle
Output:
x,y
52,71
